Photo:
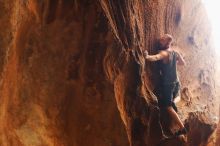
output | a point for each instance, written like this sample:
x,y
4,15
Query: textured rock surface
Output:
x,y
73,72
53,89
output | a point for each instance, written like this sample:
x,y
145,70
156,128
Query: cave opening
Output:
x,y
212,10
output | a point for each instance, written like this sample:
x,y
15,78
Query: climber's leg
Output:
x,y
175,117
167,103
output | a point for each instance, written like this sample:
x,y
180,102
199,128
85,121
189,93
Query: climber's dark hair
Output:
x,y
161,40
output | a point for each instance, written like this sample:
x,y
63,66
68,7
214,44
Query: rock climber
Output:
x,y
167,58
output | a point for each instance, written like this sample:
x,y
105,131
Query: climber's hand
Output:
x,y
146,54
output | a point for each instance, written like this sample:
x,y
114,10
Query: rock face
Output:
x,y
73,72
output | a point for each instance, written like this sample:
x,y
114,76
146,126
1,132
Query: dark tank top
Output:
x,y
168,70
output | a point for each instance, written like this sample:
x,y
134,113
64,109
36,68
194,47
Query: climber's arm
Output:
x,y
161,55
180,59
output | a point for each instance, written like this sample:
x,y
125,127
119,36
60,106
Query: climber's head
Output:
x,y
165,41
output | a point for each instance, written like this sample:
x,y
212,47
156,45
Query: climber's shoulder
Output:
x,y
164,53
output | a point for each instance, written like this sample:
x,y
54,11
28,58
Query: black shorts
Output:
x,y
169,92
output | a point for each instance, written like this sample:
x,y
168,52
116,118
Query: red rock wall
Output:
x,y
53,88
73,72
